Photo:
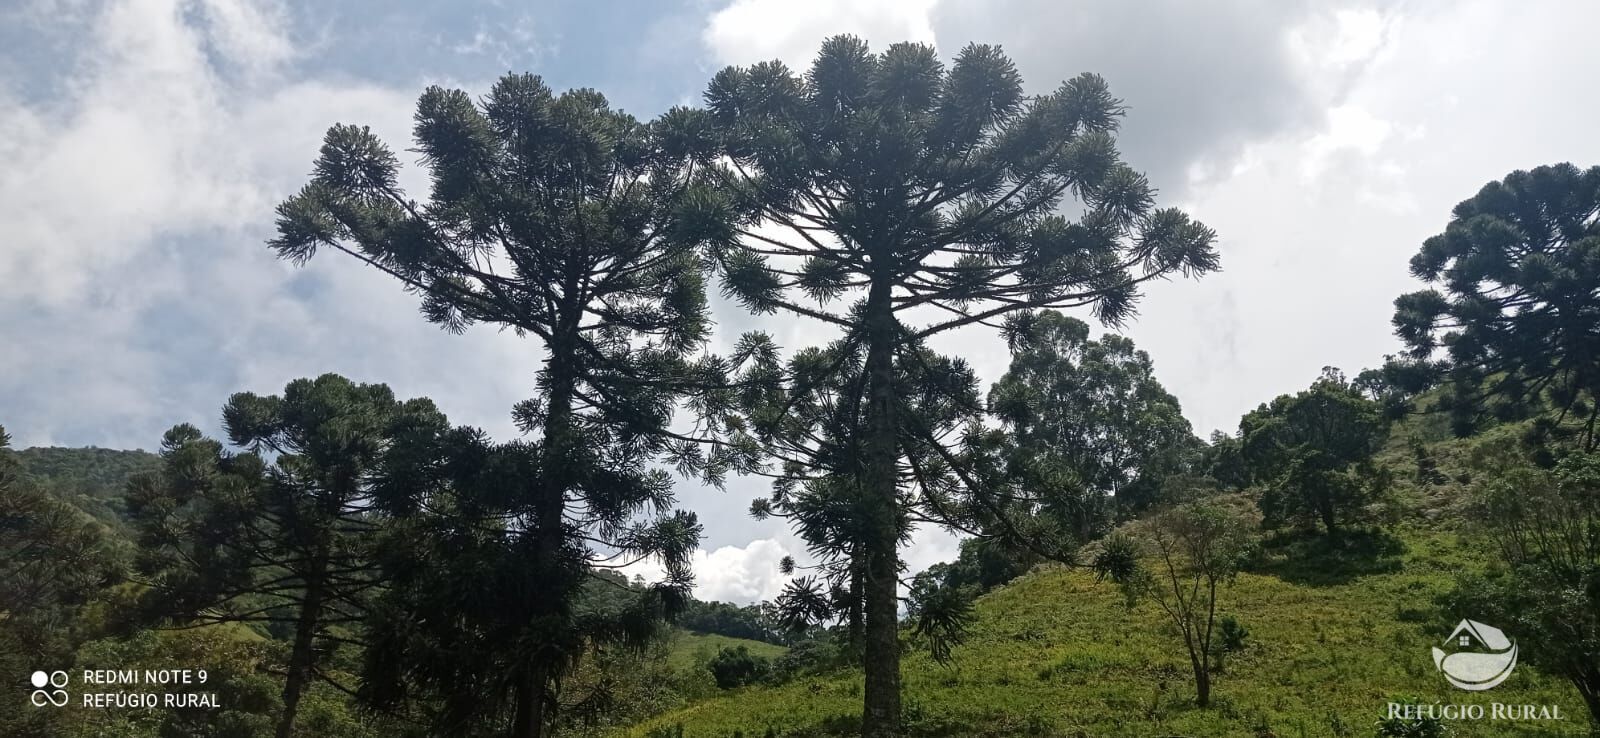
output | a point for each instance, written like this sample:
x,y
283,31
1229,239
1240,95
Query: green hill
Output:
x,y
1056,654
1334,637
693,650
90,479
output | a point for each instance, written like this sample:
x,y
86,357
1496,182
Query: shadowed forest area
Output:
x,y
343,561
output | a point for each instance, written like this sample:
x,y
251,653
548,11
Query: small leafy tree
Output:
x,y
1512,300
1546,525
1181,558
1313,453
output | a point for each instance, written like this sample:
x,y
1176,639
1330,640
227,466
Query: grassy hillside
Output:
x,y
693,650
1334,636
1054,653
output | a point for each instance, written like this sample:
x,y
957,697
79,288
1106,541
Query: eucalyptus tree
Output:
x,y
894,200
1512,301
557,217
1091,411
278,532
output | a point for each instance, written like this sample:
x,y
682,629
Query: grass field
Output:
x,y
1332,641
691,650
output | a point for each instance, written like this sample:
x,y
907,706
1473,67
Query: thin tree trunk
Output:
x,y
302,655
881,704
1202,682
524,698
856,612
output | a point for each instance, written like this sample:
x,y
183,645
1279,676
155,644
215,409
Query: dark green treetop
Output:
x,y
277,533
1090,415
1312,451
1513,299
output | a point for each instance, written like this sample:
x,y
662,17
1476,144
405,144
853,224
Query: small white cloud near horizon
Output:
x,y
739,574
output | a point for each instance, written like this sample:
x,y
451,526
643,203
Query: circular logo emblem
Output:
x,y
48,689
1483,656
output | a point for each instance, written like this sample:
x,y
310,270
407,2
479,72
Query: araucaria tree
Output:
x,y
554,216
895,199
282,540
1513,301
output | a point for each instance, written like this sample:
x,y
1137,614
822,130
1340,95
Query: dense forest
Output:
x,y
341,561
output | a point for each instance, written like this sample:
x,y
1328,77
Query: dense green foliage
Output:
x,y
560,218
736,667
1514,304
90,479
54,559
1312,451
1093,431
283,539
1545,524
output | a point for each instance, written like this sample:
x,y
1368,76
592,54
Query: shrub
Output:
x,y
736,667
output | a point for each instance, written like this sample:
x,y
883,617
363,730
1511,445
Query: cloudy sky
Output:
x,y
143,144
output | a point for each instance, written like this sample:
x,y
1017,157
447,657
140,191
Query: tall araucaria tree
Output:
x,y
809,416
282,539
1512,301
555,216
896,200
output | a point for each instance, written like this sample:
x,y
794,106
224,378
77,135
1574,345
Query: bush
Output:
x,y
809,656
736,667
1233,634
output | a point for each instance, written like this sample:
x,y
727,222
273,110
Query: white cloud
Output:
x,y
739,574
749,31
134,206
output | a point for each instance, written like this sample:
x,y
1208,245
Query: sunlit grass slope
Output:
x,y
1332,639
693,650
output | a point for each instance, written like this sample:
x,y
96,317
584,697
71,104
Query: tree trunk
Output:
x,y
523,697
1202,683
1589,686
534,720
880,716
857,616
547,557
302,656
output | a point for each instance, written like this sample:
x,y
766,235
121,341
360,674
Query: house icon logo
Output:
x,y
1483,656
